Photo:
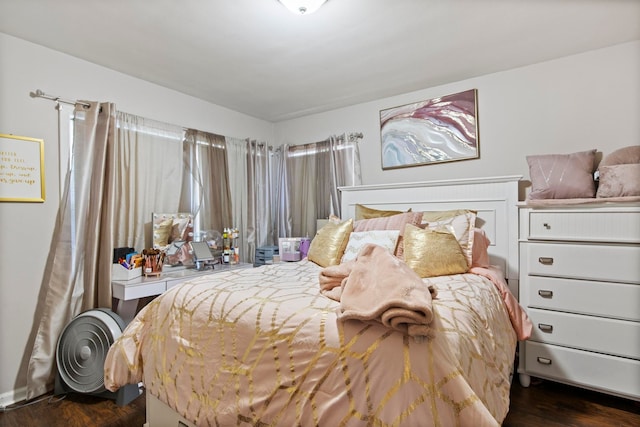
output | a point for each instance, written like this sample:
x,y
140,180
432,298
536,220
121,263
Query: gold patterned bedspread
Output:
x,y
263,347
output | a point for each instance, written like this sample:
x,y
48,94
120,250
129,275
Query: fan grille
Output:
x,y
82,349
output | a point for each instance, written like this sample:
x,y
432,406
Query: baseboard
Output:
x,y
13,396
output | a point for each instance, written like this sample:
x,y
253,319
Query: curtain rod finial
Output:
x,y
36,94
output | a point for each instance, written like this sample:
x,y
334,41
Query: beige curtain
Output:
x,y
251,183
345,167
205,190
260,221
307,183
78,272
310,175
149,171
238,178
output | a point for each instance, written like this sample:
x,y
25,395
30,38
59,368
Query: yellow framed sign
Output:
x,y
21,169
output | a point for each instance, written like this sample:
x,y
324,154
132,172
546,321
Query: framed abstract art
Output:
x,y
443,129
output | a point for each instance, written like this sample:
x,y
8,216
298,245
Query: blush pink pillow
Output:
x,y
622,156
394,222
562,176
619,181
479,254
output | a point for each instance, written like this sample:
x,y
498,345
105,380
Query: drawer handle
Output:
x,y
544,361
545,260
545,293
547,226
545,328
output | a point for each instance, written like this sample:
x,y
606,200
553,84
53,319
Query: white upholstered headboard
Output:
x,y
495,200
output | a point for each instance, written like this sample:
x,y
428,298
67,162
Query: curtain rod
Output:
x,y
40,94
352,136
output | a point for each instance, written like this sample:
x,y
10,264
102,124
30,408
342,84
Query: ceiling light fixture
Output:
x,y
302,7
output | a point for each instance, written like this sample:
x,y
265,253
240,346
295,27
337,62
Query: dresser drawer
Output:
x,y
611,263
584,226
611,336
611,374
615,300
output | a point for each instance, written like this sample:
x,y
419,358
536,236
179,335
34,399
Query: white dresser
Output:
x,y
580,285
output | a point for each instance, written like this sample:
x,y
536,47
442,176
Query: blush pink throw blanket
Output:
x,y
377,286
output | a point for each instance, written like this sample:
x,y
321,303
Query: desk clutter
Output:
x,y
288,249
176,244
152,261
230,247
127,264
265,255
293,248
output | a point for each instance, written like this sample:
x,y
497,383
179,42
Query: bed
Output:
x,y
275,345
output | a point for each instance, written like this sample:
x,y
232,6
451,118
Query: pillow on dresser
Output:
x,y
619,181
619,173
562,176
622,156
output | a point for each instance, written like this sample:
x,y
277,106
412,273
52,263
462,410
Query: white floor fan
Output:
x,y
81,352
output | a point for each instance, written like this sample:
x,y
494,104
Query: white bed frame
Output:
x,y
495,199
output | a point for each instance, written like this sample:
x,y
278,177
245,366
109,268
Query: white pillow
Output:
x,y
385,238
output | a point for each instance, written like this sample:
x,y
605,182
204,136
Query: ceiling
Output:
x,y
257,58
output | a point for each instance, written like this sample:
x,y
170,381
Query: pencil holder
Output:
x,y
152,260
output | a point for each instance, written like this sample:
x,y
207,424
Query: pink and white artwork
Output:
x,y
441,129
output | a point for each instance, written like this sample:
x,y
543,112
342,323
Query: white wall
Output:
x,y
576,103
26,228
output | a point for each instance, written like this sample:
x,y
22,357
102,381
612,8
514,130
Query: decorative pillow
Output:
x,y
329,243
364,212
619,180
433,252
385,238
462,221
430,216
479,254
562,176
622,156
395,222
162,232
180,229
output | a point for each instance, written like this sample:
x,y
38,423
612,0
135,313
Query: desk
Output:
x,y
128,292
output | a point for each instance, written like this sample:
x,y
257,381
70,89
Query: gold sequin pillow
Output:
x,y
462,223
162,232
329,243
433,252
365,212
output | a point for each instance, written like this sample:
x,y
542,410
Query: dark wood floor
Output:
x,y
545,404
